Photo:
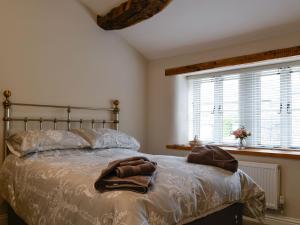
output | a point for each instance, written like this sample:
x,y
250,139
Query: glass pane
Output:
x,y
206,109
295,78
270,110
207,126
230,109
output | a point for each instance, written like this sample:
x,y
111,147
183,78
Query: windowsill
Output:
x,y
286,154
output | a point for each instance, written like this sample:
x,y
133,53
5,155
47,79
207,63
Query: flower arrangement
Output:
x,y
241,133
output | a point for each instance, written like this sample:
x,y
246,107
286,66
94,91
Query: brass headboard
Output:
x,y
7,104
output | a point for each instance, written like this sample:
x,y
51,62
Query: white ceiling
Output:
x,y
101,6
187,26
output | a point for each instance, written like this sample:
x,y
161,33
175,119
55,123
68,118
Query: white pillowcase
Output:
x,y
25,142
107,138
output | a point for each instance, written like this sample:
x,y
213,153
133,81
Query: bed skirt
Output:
x,y
232,215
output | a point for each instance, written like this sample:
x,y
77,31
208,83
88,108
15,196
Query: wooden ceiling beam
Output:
x,y
238,60
130,13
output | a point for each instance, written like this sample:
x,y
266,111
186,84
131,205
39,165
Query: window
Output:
x,y
265,101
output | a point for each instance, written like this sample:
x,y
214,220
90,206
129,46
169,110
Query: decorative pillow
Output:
x,y
108,138
25,142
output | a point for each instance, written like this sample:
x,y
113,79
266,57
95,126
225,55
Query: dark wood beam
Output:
x,y
238,60
130,13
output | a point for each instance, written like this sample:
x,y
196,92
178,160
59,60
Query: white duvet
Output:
x,y
57,187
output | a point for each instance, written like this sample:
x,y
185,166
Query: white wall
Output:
x,y
53,52
161,106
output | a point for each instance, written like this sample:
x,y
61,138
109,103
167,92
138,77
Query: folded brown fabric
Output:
x,y
132,163
144,169
214,156
135,174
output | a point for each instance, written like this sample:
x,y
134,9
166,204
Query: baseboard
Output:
x,y
274,220
3,219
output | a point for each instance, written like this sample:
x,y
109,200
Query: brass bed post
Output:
x,y
6,119
69,117
116,112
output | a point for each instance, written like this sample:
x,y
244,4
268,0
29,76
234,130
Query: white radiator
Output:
x,y
267,176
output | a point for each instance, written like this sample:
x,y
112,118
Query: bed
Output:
x,y
57,186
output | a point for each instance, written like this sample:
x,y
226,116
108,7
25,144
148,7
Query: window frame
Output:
x,y
254,126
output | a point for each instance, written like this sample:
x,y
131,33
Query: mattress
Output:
x,y
57,187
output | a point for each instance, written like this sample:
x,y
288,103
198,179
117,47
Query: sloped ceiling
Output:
x,y
187,26
101,7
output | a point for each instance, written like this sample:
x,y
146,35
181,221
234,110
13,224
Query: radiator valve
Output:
x,y
281,203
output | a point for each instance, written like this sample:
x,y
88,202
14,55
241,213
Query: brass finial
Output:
x,y
116,103
7,94
116,106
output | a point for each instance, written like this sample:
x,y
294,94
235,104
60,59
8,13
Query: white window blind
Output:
x,y
266,102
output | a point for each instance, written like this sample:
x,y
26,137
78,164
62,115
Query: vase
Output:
x,y
242,143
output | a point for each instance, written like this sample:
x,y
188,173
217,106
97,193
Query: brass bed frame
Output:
x,y
7,104
232,215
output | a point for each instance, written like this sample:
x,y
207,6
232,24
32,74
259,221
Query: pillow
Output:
x,y
107,138
26,142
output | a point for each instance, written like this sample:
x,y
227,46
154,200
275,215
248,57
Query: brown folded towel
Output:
x,y
132,163
145,169
214,156
135,174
